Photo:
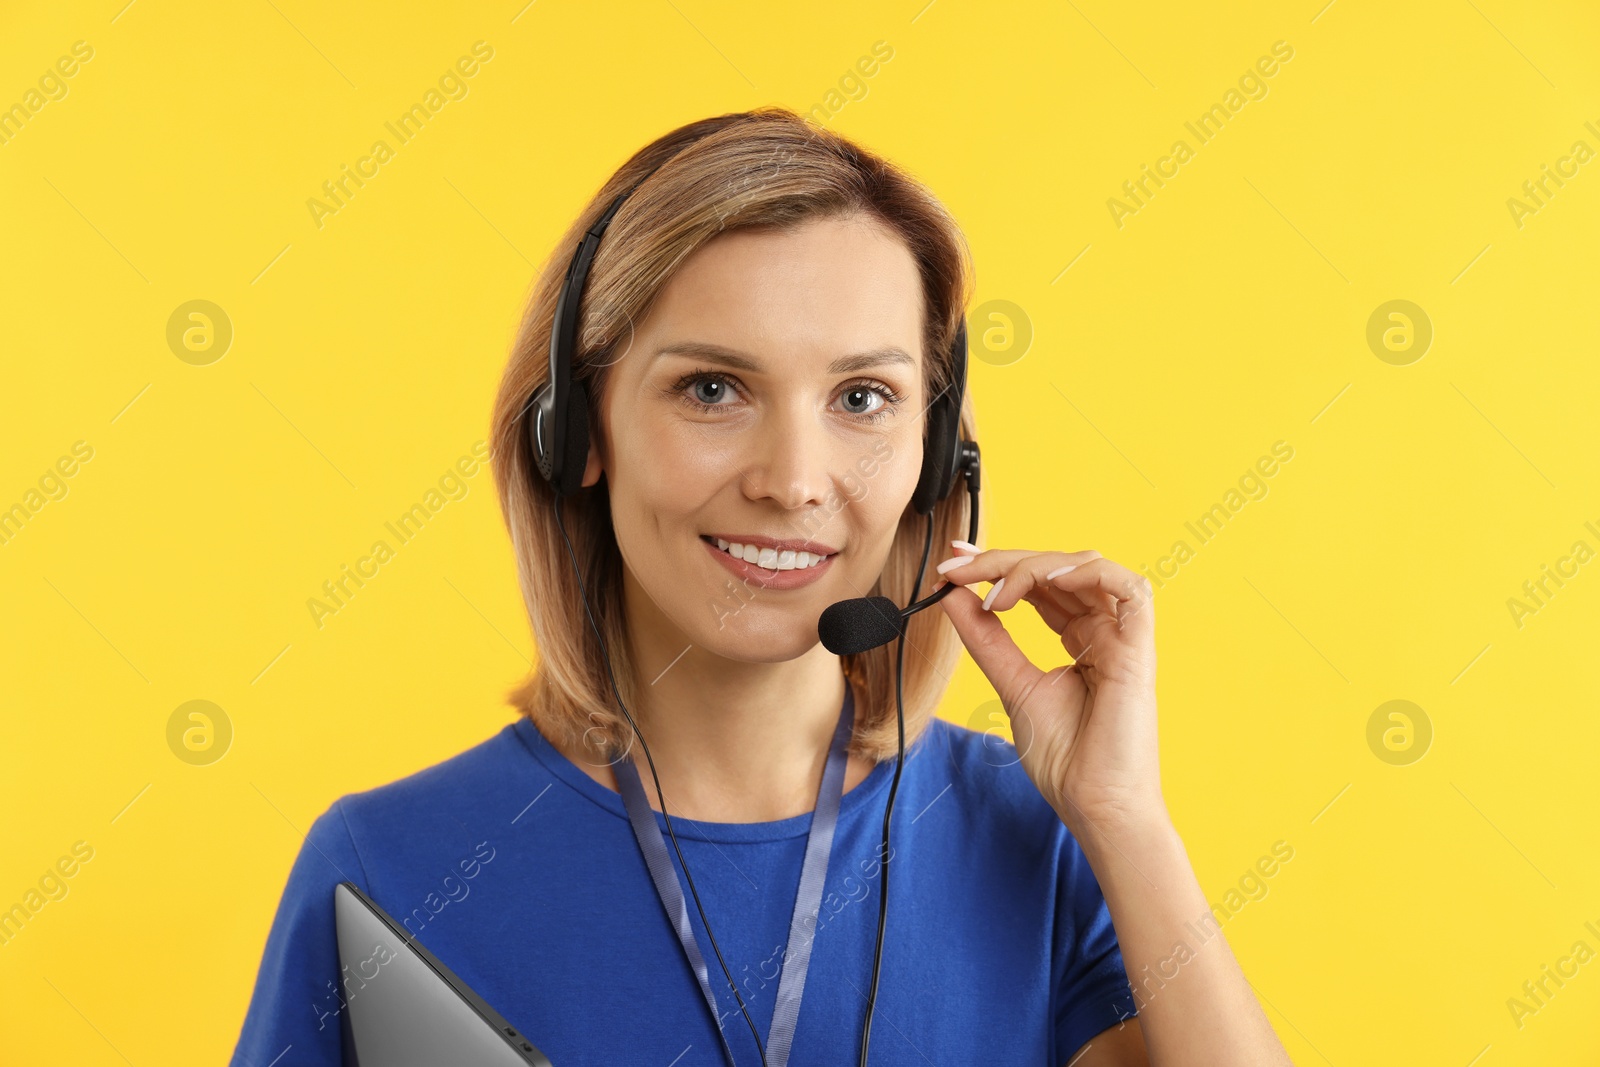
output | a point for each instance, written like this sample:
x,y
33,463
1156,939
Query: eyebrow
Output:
x,y
728,357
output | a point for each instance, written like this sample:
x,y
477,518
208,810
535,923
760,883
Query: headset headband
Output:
x,y
559,423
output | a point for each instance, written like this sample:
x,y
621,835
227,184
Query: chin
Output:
x,y
745,638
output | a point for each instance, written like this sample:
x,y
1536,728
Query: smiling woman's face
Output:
x,y
773,394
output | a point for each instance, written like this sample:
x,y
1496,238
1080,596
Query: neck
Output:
x,y
732,741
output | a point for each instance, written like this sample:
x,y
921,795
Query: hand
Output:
x,y
1086,731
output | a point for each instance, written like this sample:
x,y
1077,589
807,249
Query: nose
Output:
x,y
789,456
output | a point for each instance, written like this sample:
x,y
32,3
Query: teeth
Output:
x,y
770,558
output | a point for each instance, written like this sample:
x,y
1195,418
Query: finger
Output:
x,y
1039,574
1070,583
1052,613
1002,564
1123,594
1046,603
996,654
997,562
1078,639
1106,589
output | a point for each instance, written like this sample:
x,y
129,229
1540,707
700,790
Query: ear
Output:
x,y
593,468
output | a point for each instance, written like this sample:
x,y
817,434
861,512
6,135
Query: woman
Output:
x,y
767,319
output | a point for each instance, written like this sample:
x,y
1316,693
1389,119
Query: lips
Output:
x,y
771,576
770,558
781,544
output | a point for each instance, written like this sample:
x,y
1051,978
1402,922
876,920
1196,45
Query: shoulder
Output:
x,y
361,835
448,782
399,843
447,805
984,763
997,803
977,802
1018,850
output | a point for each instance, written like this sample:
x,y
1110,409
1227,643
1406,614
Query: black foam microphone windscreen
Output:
x,y
854,626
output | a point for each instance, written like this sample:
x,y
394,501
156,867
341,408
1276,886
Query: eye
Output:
x,y
857,395
705,391
709,391
858,400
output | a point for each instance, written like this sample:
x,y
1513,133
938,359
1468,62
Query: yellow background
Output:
x,y
1229,313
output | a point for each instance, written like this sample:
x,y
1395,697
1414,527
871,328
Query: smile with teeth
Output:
x,y
768,558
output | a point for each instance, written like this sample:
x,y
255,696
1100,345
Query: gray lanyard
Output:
x,y
786,1010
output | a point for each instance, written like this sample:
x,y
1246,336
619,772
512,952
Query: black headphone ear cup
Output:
x,y
531,420
938,456
575,449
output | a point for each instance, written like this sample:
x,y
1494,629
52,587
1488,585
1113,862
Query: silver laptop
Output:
x,y
403,1008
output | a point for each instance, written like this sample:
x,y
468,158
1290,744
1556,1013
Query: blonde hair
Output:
x,y
768,167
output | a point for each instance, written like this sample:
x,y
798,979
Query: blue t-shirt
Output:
x,y
522,874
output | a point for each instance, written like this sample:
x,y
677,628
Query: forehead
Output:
x,y
823,287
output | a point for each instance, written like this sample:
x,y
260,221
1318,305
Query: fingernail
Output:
x,y
993,589
1061,570
967,546
952,563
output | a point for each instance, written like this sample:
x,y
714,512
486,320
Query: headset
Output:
x,y
558,436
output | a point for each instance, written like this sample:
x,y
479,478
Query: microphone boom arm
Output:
x,y
970,468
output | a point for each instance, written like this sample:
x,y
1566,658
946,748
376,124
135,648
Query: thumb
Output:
x,y
992,648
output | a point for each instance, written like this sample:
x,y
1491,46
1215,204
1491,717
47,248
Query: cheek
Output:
x,y
892,470
660,483
876,490
651,442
